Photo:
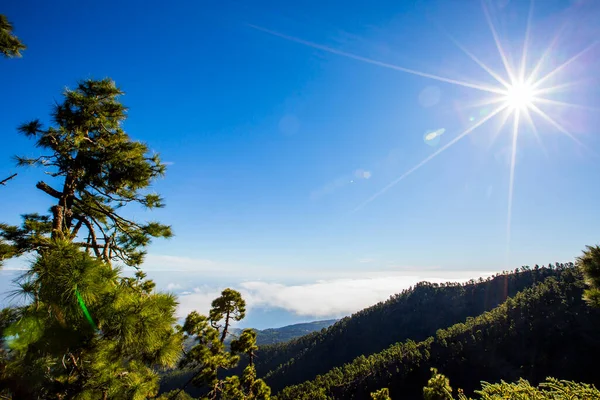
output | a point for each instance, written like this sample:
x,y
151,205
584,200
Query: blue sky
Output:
x,y
273,143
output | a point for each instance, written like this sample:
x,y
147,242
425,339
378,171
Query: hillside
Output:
x,y
172,379
416,314
277,335
546,330
289,332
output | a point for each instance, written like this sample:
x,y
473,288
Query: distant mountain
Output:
x,y
545,330
416,314
278,335
286,333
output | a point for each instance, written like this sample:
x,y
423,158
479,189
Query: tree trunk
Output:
x,y
226,327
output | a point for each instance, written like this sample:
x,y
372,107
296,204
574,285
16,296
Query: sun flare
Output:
x,y
519,96
520,91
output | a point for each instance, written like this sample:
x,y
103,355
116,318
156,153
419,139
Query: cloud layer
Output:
x,y
325,298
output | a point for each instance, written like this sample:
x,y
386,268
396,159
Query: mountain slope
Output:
x,y
286,333
416,314
174,379
543,331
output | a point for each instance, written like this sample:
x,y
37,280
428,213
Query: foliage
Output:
x,y
85,330
209,356
10,45
552,389
173,379
415,313
545,330
55,351
100,171
438,387
228,307
589,263
381,394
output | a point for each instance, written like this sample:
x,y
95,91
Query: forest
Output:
x,y
86,327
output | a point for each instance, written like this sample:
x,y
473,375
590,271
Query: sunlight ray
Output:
x,y
565,104
535,131
555,124
536,69
489,89
430,157
563,65
523,66
464,106
507,113
559,87
507,66
511,182
494,74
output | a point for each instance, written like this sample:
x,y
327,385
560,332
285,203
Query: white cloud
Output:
x,y
198,300
173,286
324,298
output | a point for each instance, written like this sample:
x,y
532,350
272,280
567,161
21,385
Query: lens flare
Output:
x,y
86,313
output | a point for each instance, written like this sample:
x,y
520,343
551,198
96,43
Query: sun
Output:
x,y
519,96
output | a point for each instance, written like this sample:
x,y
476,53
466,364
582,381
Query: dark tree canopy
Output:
x,y
10,45
99,169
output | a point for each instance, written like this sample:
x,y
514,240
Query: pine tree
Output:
x,y
246,387
209,356
230,306
100,170
85,330
10,45
589,263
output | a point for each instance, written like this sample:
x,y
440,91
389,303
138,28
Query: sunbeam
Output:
x,y
429,158
557,126
536,134
505,117
480,63
375,62
520,94
511,181
545,54
523,66
556,70
509,71
565,104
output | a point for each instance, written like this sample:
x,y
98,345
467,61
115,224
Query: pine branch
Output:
x,y
3,182
92,232
44,187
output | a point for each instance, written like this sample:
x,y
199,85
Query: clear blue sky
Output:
x,y
273,144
